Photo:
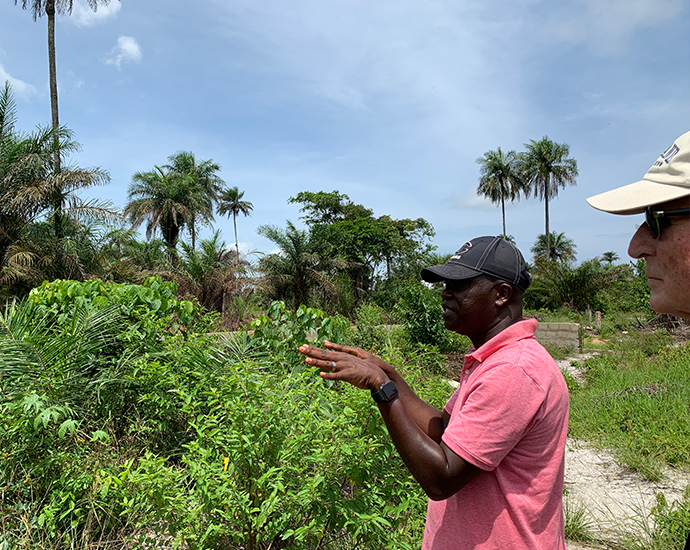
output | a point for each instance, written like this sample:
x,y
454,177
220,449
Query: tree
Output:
x,y
499,180
367,243
557,284
204,177
174,196
208,273
562,248
609,257
230,203
301,266
161,199
545,167
49,8
323,208
31,189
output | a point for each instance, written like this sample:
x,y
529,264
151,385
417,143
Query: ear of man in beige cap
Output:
x,y
663,195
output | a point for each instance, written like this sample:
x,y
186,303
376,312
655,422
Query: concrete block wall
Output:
x,y
563,335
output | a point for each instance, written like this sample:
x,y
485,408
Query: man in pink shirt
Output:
x,y
492,460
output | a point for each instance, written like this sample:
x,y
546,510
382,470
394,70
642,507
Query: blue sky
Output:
x,y
389,102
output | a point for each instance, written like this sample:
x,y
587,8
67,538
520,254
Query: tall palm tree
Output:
x,y
545,167
230,203
499,180
49,8
202,175
163,200
562,248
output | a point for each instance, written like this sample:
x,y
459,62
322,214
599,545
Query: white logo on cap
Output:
x,y
465,248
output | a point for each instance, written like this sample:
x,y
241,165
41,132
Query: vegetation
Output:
x,y
125,419
127,415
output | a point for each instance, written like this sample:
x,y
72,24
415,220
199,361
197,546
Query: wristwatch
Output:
x,y
387,392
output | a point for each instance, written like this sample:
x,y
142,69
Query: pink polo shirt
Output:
x,y
510,419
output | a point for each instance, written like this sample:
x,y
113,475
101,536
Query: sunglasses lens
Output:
x,y
652,222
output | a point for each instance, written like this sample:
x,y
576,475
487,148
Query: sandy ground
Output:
x,y
612,495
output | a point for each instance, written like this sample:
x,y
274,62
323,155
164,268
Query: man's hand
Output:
x,y
362,354
344,363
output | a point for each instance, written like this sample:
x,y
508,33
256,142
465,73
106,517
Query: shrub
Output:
x,y
203,441
419,308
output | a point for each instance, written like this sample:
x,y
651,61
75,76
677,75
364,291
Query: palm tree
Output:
x,y
209,273
301,265
499,180
609,257
163,200
202,175
31,189
230,202
49,7
545,167
562,248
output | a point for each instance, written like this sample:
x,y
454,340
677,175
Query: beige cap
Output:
x,y
666,180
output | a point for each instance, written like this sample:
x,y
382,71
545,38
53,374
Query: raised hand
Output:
x,y
352,365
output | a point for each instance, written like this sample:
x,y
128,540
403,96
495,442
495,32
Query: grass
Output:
x,y
636,403
578,527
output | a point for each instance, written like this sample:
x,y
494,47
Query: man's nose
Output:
x,y
642,243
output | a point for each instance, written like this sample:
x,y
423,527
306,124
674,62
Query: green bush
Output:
x,y
200,440
419,309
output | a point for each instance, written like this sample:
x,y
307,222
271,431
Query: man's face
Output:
x,y
668,261
469,306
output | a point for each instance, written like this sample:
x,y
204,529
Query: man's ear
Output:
x,y
504,292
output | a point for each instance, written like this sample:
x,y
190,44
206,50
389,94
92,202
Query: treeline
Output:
x,y
344,257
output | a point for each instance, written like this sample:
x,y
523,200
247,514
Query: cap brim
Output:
x,y
448,272
634,198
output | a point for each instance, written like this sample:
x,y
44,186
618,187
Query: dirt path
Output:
x,y
612,495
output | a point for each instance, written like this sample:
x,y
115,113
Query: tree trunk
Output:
x,y
503,212
57,199
193,228
546,217
237,245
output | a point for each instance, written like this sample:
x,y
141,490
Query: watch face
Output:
x,y
387,392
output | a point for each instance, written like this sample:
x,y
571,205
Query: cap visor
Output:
x,y
448,272
634,198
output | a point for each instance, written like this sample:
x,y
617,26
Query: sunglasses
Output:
x,y
657,220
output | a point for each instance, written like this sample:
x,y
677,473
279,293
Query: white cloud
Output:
x,y
127,50
84,16
607,26
19,87
472,201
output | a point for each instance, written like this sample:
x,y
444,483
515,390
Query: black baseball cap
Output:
x,y
483,256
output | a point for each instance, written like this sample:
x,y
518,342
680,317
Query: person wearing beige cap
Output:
x,y
664,239
663,195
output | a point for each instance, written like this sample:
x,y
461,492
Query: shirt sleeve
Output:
x,y
493,415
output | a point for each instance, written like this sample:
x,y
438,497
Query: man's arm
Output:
x,y
431,420
439,471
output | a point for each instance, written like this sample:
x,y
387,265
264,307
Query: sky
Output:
x,y
388,102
